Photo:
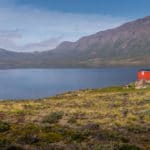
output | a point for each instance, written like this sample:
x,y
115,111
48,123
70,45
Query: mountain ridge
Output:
x,y
126,45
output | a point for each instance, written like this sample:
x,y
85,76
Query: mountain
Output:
x,y
126,45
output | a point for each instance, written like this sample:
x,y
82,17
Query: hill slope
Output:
x,y
128,44
111,118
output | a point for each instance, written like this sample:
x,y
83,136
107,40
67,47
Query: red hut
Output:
x,y
144,74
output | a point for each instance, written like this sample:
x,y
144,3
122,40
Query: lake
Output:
x,y
38,83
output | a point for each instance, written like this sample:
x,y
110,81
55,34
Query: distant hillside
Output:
x,y
126,45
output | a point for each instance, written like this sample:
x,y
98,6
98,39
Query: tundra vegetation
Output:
x,y
115,118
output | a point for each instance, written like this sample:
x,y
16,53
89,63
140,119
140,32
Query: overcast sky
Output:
x,y
37,25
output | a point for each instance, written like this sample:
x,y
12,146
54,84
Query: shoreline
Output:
x,y
66,92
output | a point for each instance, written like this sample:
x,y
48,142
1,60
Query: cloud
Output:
x,y
14,34
30,29
42,45
8,38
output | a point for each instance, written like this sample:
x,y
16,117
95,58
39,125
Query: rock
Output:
x,y
141,84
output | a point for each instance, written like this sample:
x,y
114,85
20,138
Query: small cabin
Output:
x,y
144,74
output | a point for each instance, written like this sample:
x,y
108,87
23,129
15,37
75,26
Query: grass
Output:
x,y
115,118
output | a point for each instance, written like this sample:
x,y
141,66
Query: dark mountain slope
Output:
x,y
127,44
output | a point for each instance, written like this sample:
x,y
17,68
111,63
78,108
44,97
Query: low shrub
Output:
x,y
72,120
28,138
91,126
51,137
77,136
129,147
109,146
4,126
125,139
14,147
53,117
4,141
29,134
138,129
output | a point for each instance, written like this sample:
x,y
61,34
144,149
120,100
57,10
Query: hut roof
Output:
x,y
144,70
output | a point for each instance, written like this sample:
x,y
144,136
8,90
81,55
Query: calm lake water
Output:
x,y
37,83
